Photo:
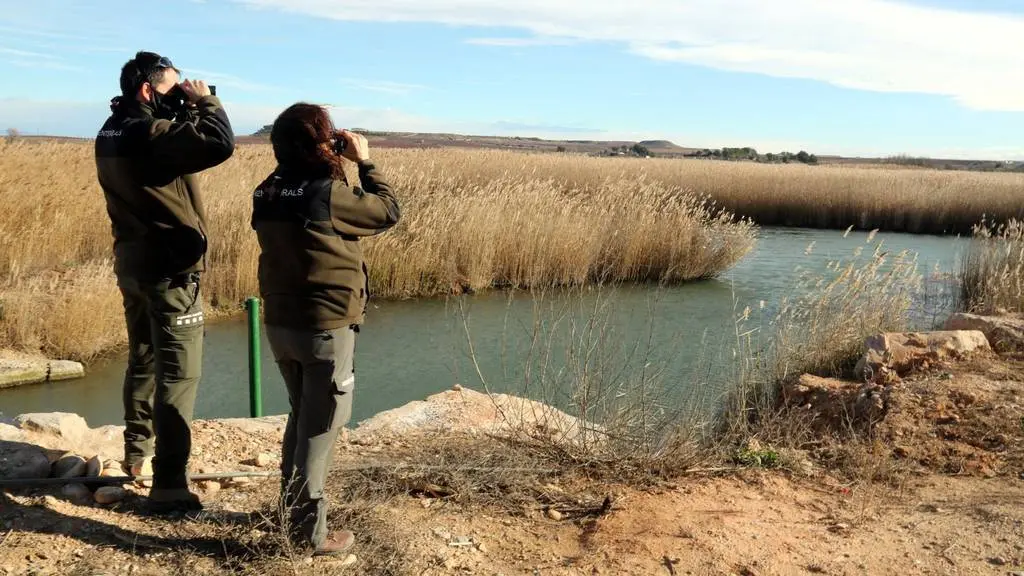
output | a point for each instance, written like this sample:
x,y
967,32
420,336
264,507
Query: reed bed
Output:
x,y
470,221
992,272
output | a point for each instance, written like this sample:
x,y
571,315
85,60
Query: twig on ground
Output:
x,y
6,536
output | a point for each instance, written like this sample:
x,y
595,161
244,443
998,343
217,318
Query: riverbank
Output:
x,y
929,480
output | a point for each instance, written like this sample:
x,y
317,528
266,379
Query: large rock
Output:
x,y
20,461
1005,333
903,353
70,466
471,412
837,404
62,424
18,371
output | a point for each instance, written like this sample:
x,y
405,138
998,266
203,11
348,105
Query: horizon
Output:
x,y
869,78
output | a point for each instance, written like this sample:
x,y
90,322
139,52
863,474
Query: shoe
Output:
x,y
337,542
173,500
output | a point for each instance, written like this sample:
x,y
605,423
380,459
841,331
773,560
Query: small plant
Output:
x,y
757,458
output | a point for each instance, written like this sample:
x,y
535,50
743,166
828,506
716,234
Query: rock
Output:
x,y
554,514
471,412
20,461
10,433
263,460
65,370
69,466
350,560
904,353
1005,333
457,388
93,467
210,486
77,493
110,495
481,547
62,424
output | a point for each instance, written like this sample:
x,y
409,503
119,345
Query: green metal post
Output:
x,y
252,305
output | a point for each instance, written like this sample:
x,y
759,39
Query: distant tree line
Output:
x,y
627,150
751,154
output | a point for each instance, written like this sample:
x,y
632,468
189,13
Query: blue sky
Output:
x,y
859,77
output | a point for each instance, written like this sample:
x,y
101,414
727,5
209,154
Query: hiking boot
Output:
x,y
337,542
173,500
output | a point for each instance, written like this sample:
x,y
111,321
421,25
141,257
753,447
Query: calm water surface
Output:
x,y
409,350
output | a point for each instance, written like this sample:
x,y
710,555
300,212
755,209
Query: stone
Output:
x,y
1005,333
264,460
62,424
18,371
77,493
65,370
554,514
69,466
906,352
350,560
457,388
209,486
20,461
93,467
110,495
10,433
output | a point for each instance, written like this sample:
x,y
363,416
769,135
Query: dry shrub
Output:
x,y
992,271
820,329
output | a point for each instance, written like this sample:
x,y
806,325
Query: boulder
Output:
x,y
20,461
69,466
61,424
93,467
110,495
837,404
77,493
1005,333
905,352
31,370
470,412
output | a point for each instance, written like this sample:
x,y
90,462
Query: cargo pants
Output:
x,y
319,373
165,346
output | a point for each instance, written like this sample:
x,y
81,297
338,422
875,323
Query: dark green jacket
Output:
x,y
146,167
311,270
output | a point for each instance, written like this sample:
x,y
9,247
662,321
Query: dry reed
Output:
x,y
992,272
471,221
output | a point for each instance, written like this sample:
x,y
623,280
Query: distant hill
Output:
x,y
656,148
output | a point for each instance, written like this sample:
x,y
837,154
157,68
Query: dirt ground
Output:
x,y
943,494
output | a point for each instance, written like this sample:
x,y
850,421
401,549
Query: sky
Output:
x,y
939,78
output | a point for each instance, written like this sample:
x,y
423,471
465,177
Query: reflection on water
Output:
x,y
410,349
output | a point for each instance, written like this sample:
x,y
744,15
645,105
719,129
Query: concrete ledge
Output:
x,y
18,372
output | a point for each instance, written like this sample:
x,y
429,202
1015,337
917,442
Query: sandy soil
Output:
x,y
952,502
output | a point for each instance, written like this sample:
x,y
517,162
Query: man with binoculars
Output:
x,y
160,134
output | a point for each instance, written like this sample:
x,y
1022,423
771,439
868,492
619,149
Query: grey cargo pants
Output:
x,y
318,370
165,358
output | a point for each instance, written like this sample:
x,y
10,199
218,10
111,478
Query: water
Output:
x,y
408,350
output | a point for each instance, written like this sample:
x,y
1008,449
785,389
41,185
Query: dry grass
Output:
x,y
992,273
819,329
471,221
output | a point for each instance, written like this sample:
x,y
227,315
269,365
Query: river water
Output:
x,y
519,343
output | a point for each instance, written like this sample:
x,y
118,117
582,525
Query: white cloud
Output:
x,y
385,86
878,45
227,80
521,42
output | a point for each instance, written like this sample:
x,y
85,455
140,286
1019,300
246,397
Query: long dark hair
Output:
x,y
298,136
